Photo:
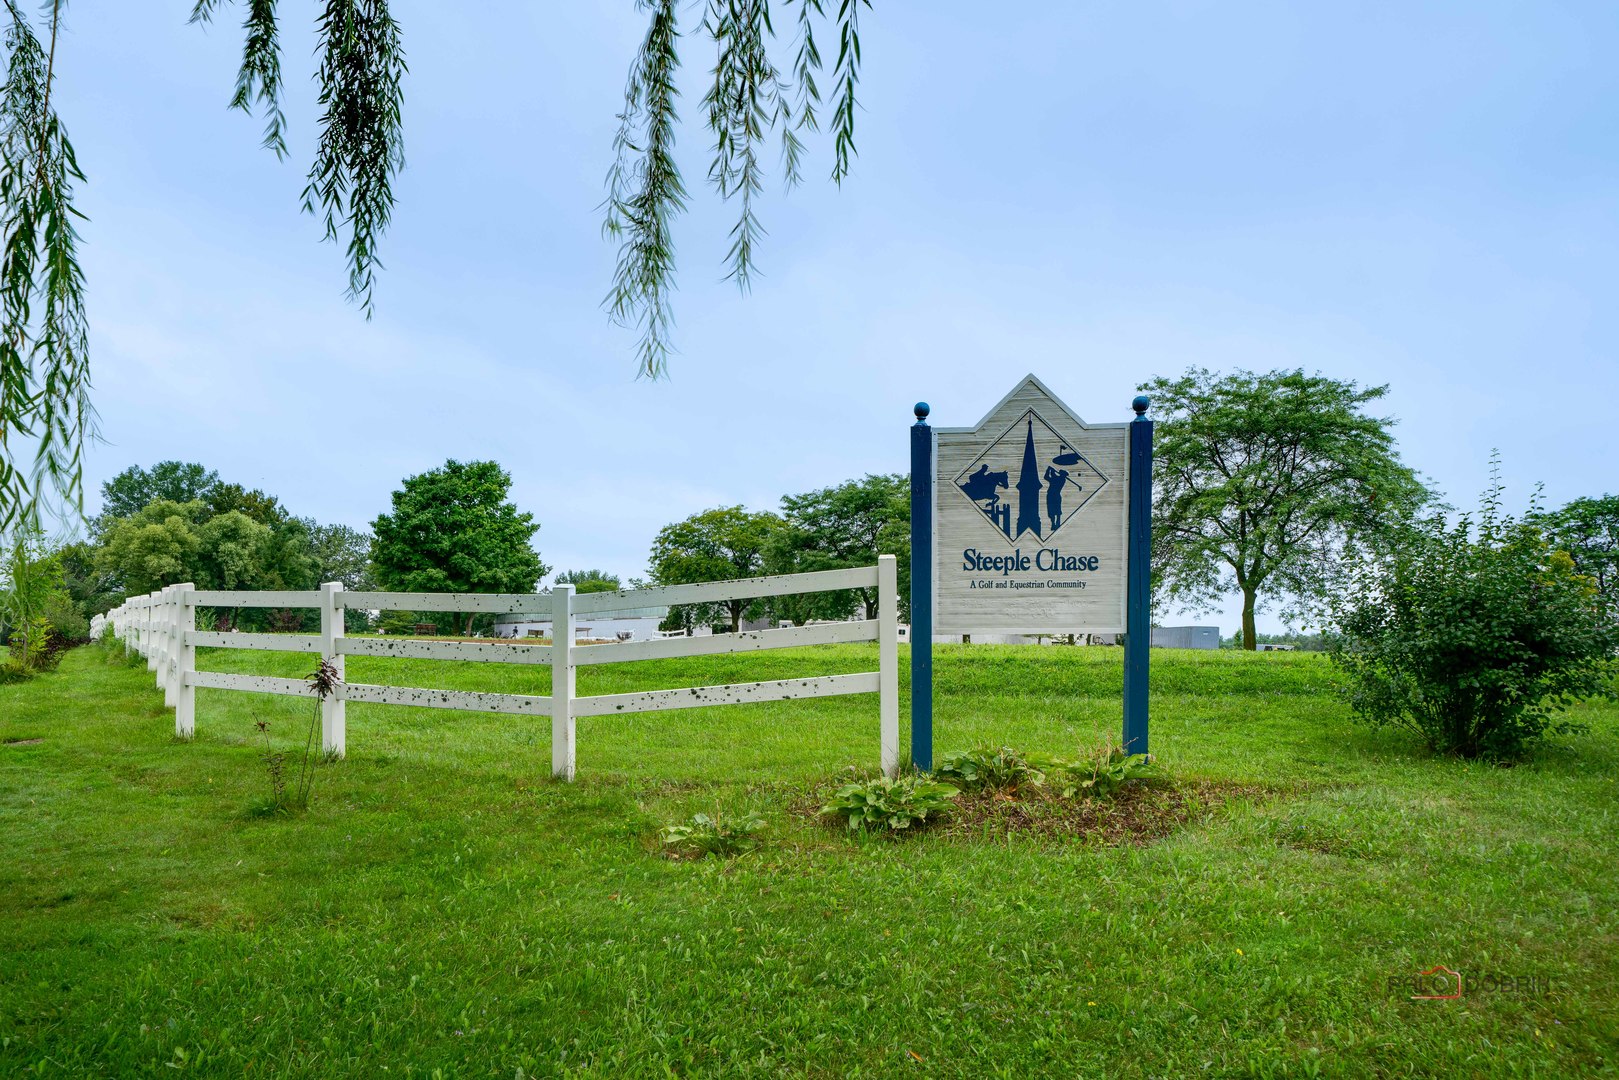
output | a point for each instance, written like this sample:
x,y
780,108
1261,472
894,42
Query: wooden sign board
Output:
x,y
1030,520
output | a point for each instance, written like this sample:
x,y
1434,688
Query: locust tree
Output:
x,y
454,529
1260,479
765,87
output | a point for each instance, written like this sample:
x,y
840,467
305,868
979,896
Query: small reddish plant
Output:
x,y
284,800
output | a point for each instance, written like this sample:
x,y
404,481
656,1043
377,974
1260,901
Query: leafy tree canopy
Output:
x,y
589,581
453,529
255,505
340,554
723,544
167,542
844,526
1259,479
1588,529
132,490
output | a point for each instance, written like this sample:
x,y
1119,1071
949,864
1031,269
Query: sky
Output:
x,y
1422,195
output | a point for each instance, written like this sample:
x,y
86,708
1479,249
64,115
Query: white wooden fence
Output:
x,y
162,627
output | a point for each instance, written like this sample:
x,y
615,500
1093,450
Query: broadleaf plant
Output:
x,y
892,805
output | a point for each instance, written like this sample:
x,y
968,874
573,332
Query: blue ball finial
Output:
x,y
1140,404
921,411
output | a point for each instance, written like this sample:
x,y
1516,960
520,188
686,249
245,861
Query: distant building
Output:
x,y
633,624
1186,637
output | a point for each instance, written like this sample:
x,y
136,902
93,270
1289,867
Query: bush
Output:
x,y
39,646
986,769
1098,776
1476,636
12,672
704,835
66,619
894,805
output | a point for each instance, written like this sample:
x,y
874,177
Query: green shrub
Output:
x,y
39,646
12,672
1474,635
893,805
988,769
1098,776
66,618
704,835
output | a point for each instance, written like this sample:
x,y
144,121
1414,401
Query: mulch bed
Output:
x,y
1140,813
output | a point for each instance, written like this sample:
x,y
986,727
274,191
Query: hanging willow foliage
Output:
x,y
748,99
45,411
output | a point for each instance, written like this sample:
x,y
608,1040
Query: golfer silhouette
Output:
x,y
1055,480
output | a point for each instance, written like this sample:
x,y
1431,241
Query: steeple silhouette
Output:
x,y
1028,489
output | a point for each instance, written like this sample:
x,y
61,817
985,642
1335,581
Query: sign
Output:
x,y
1030,523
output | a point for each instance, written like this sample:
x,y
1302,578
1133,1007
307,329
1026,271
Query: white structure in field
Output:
x,y
635,624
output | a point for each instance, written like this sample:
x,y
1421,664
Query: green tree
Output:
x,y
157,545
725,544
1475,634
134,489
92,589
256,505
453,529
342,554
756,93
844,526
166,543
1588,529
1260,479
30,580
589,581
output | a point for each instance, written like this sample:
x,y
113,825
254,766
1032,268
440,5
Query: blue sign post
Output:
x,y
1138,585
922,590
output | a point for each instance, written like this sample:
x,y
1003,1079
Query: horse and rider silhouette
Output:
x,y
982,485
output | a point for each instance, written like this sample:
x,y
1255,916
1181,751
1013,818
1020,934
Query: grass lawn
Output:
x,y
445,910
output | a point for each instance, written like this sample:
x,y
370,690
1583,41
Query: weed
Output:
x,y
703,835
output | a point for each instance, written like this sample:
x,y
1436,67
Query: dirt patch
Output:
x,y
1139,814
21,742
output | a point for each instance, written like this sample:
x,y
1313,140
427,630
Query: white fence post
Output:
x,y
149,631
888,660
333,720
185,700
165,645
562,682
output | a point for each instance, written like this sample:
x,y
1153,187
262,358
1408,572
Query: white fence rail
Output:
x,y
162,627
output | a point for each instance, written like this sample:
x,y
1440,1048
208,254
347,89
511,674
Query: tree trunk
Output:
x,y
736,616
1249,638
470,616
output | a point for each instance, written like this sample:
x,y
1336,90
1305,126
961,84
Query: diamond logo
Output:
x,y
1030,480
